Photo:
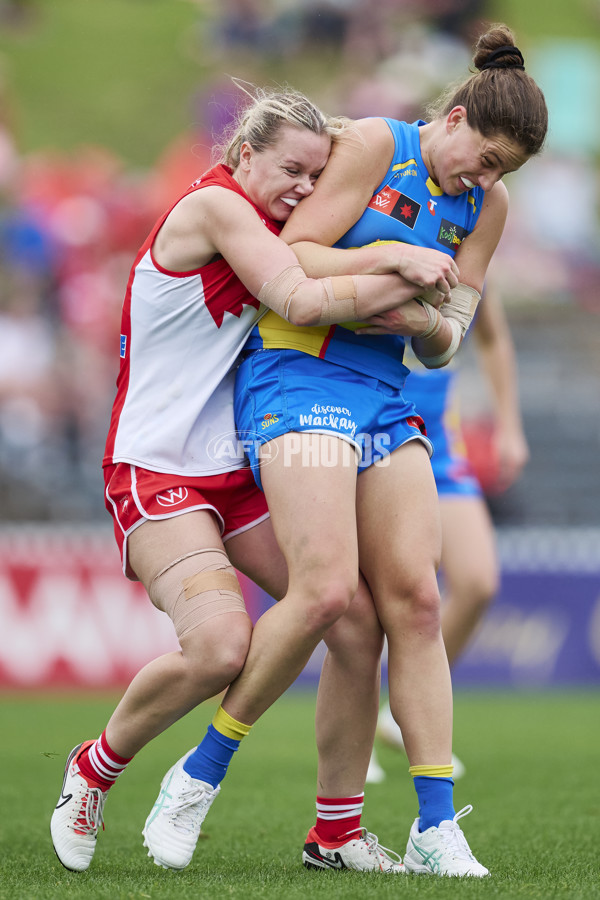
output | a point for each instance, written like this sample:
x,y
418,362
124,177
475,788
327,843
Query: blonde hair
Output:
x,y
269,110
500,98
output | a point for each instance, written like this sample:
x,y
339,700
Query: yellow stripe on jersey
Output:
x,y
473,204
433,189
277,333
399,166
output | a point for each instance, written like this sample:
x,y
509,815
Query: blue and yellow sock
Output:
x,y
210,760
434,787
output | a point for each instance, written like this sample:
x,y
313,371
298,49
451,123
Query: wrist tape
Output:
x,y
436,362
462,305
434,320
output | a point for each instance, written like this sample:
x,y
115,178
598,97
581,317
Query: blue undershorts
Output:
x,y
281,391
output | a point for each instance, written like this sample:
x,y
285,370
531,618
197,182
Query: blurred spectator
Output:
x,y
70,224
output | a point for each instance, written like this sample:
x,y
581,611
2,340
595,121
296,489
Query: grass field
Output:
x,y
532,777
84,73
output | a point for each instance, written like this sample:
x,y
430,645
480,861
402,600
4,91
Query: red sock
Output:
x,y
101,765
338,817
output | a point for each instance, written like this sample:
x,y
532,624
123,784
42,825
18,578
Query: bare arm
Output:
x,y
473,257
217,221
355,169
497,358
474,254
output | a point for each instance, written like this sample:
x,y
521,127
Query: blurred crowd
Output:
x,y
70,225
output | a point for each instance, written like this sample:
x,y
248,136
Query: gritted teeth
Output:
x,y
467,183
290,201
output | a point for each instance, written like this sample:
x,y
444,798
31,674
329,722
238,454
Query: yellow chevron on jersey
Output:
x,y
404,208
276,332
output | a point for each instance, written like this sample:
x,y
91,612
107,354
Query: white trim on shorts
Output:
x,y
247,527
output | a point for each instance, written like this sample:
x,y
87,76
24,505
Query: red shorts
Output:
x,y
133,495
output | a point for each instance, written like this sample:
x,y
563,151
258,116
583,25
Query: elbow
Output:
x,y
433,362
305,308
301,316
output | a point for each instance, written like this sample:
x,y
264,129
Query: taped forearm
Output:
x,y
462,305
328,301
458,312
441,359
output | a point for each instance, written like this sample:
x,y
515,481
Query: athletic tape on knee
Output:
x,y
462,305
196,587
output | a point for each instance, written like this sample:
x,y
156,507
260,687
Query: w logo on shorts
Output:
x,y
172,497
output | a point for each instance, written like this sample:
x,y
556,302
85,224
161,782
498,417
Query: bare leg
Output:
x,y
400,545
470,569
313,513
211,655
348,698
348,695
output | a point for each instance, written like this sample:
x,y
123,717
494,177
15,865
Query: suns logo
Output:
x,y
268,420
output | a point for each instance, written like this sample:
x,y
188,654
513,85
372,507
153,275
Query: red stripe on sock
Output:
x,y
338,817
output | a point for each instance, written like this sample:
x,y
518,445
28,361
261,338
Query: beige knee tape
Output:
x,y
196,587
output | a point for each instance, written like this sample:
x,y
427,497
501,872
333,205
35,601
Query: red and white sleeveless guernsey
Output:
x,y
181,334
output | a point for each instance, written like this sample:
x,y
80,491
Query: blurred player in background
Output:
x,y
469,562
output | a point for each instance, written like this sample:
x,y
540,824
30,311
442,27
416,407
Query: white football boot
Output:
x,y
78,816
172,829
362,853
442,851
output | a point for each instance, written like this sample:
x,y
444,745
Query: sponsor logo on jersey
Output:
x,y
399,206
172,497
268,420
451,235
431,205
406,168
123,347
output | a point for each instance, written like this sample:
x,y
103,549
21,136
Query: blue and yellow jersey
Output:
x,y
407,206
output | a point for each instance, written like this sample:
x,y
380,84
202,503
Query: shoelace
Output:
x,y
373,845
454,836
90,816
185,812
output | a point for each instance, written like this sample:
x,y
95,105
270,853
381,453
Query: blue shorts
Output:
x,y
281,391
434,395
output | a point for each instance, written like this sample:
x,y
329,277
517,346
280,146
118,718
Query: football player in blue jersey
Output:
x,y
469,561
330,399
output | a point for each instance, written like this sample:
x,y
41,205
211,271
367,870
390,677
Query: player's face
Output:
x,y
277,178
465,158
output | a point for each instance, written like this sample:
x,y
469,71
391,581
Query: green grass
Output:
x,y
532,778
536,19
118,73
124,73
